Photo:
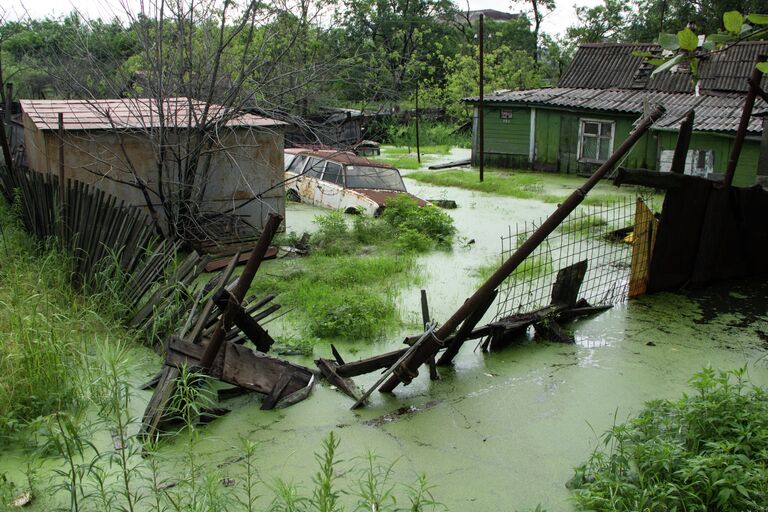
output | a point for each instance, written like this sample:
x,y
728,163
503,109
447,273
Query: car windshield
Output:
x,y
363,176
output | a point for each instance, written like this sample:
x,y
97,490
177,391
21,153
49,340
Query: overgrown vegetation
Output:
x,y
47,331
348,285
124,472
705,451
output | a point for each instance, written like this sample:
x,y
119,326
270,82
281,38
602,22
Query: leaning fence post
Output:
x,y
741,132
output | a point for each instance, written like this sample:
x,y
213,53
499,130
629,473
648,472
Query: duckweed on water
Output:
x,y
706,451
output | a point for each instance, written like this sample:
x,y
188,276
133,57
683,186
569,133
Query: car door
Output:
x,y
330,187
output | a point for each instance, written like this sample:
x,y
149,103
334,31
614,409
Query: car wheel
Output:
x,y
293,196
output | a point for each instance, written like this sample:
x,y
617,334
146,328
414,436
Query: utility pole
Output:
x,y
480,105
418,146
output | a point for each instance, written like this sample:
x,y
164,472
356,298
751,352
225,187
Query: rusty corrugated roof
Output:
x,y
713,112
138,113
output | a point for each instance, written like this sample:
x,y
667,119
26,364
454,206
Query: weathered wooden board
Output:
x,y
241,366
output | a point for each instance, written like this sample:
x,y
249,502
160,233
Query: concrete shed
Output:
x,y
113,143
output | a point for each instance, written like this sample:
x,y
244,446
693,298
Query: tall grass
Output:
x,y
47,330
347,288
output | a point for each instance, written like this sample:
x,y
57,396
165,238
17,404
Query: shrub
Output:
x,y
707,451
403,212
352,314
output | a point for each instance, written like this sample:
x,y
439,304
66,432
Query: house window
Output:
x,y
595,140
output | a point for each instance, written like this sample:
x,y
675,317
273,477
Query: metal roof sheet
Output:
x,y
612,65
142,113
713,112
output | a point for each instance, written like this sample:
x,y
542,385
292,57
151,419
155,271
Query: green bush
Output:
x,y
707,451
410,240
403,212
351,314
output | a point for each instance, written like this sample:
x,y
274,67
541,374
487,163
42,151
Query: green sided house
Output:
x,y
574,127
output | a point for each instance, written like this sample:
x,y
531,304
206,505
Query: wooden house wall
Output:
x,y
746,170
556,140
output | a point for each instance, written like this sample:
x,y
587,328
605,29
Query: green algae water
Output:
x,y
499,431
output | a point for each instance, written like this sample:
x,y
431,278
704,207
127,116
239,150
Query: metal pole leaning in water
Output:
x,y
409,368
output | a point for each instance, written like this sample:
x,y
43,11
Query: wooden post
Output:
x,y
434,343
433,375
481,103
683,141
62,194
7,125
741,132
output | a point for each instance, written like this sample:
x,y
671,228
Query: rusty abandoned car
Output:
x,y
341,180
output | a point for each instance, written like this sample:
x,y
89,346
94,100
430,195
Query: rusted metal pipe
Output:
x,y
481,103
239,291
433,343
741,131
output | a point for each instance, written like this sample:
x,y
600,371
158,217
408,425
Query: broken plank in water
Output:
x,y
241,366
370,364
329,369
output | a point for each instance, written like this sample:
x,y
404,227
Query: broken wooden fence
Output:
x,y
112,246
214,345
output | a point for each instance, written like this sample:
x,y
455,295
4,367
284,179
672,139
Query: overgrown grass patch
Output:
x,y
520,185
47,329
582,223
705,451
346,287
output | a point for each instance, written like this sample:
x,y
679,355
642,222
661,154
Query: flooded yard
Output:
x,y
498,431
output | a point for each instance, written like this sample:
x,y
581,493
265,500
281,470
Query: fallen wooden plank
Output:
x,y
399,369
220,263
467,326
240,366
329,369
448,165
370,364
250,327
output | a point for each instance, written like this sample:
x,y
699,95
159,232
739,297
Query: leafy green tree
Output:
x,y
607,22
504,69
395,41
539,10
652,17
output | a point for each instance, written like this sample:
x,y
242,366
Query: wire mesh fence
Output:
x,y
605,236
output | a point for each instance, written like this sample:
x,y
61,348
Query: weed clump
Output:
x,y
707,451
405,215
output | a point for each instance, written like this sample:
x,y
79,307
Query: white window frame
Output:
x,y
584,120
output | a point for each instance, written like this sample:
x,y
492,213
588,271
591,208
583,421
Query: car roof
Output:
x,y
339,156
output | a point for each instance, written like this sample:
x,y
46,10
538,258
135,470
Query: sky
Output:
x,y
555,23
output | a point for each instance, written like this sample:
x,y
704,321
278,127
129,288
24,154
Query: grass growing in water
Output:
x,y
706,451
582,223
519,184
347,287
